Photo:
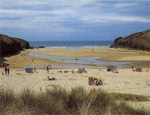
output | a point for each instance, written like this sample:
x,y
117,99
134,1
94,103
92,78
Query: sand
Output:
x,y
24,60
126,81
136,58
109,54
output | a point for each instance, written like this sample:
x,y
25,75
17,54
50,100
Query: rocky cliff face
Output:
x,y
138,41
10,45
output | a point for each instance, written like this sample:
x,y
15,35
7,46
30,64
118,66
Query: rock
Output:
x,y
138,41
11,45
41,47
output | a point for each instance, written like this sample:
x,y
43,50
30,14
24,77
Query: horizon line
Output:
x,y
68,40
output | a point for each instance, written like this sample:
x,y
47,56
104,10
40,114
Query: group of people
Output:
x,y
97,82
7,70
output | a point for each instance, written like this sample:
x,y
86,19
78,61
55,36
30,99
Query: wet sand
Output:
x,y
109,54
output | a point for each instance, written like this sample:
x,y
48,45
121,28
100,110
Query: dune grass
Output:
x,y
129,97
60,102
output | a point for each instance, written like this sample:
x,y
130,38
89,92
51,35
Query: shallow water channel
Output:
x,y
79,62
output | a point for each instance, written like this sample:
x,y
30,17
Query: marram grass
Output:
x,y
130,97
60,102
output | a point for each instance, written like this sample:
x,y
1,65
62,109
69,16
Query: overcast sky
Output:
x,y
38,20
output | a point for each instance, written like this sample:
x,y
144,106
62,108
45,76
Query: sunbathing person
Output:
x,y
50,79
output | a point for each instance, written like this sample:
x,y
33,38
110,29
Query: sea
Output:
x,y
70,43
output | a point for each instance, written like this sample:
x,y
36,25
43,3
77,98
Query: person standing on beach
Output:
x,y
132,66
5,70
35,70
8,70
47,68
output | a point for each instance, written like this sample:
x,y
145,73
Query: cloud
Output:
x,y
110,18
63,15
52,3
122,5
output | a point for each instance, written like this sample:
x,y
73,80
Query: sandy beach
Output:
x,y
126,81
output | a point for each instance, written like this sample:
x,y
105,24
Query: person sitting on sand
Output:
x,y
95,82
67,72
59,71
115,71
100,82
72,71
48,78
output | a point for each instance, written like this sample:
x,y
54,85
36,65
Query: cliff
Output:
x,y
138,41
11,45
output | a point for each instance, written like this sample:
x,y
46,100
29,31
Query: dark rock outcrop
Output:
x,y
11,45
138,41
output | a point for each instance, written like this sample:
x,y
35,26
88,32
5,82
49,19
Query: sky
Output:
x,y
73,20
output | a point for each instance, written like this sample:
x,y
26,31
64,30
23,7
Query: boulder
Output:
x,y
138,41
11,45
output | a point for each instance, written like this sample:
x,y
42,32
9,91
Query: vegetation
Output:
x,y
60,102
129,97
